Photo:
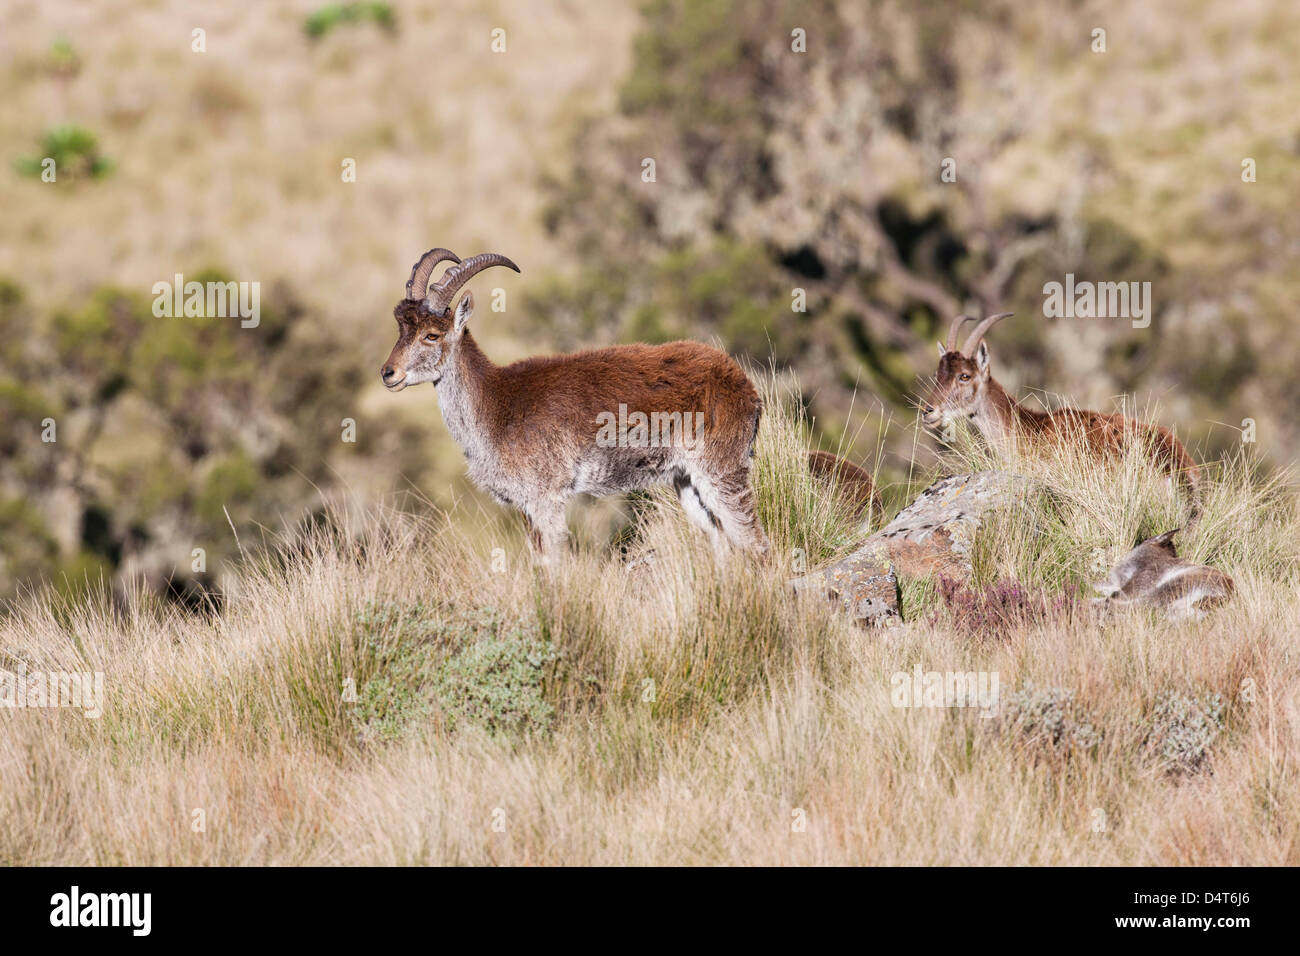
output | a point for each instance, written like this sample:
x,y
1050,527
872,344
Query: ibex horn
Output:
x,y
957,323
985,324
418,285
444,289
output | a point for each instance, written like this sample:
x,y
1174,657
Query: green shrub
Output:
x,y
495,681
471,668
63,59
75,151
1050,717
328,17
1183,729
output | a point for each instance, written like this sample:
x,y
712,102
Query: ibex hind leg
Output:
x,y
698,512
731,499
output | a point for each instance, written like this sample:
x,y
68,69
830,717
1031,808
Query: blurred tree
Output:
x,y
778,170
162,426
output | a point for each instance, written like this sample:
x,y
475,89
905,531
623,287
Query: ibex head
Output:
x,y
962,376
427,329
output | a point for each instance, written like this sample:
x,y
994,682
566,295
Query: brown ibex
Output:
x,y
539,431
965,389
851,483
1154,574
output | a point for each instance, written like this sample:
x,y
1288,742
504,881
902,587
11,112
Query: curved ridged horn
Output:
x,y
444,289
953,329
418,285
975,337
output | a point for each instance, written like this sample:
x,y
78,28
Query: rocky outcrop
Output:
x,y
934,535
865,588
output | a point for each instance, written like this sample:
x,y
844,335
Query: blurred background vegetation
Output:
x,y
775,170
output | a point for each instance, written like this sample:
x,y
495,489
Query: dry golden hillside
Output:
x,y
313,635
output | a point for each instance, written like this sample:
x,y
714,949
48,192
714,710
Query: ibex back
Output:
x,y
965,389
539,431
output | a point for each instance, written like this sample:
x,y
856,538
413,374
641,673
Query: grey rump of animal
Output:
x,y
1153,574
539,431
965,389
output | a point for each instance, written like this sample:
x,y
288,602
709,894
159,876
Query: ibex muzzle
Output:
x,y
425,324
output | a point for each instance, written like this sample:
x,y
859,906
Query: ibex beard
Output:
x,y
535,432
965,389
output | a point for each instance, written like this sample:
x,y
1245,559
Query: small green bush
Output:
x,y
1183,729
495,681
1049,716
63,59
328,17
75,151
469,669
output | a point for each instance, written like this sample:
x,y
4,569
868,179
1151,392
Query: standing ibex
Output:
x,y
539,431
964,388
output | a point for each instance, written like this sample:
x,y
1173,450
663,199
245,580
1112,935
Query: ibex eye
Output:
x,y
431,337
964,376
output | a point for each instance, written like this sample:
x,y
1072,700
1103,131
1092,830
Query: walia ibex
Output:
x,y
851,483
965,389
1154,574
539,431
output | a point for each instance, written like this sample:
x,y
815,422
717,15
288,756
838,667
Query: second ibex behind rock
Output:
x,y
539,431
965,389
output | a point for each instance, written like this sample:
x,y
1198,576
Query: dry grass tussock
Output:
x,y
414,696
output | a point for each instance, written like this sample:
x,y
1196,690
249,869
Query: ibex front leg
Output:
x,y
548,532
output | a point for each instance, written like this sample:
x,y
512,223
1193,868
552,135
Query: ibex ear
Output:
x,y
464,309
982,357
943,350
1165,541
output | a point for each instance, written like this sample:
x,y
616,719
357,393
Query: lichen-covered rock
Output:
x,y
864,588
934,535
